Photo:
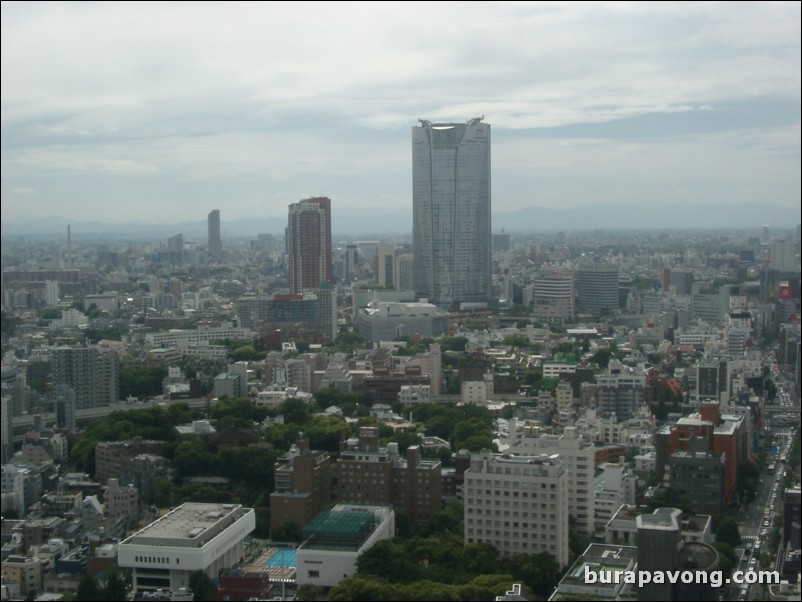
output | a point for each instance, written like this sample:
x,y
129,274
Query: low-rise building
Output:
x,y
335,538
206,537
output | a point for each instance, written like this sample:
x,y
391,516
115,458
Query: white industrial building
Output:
x,y
207,537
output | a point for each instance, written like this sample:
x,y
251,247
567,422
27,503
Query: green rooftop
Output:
x,y
339,530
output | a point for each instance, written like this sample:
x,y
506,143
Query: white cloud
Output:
x,y
164,94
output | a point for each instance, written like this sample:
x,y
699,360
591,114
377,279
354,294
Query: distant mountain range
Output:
x,y
392,221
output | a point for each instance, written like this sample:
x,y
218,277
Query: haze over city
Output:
x,y
157,113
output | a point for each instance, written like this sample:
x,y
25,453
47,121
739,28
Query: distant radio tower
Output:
x,y
69,246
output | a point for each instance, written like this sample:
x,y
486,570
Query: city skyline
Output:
x,y
592,105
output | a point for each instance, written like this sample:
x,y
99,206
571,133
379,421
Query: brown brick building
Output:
x,y
111,455
303,480
371,475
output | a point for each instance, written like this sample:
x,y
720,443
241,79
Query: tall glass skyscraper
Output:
x,y
451,212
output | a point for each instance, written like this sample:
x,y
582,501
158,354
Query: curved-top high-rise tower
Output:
x,y
451,212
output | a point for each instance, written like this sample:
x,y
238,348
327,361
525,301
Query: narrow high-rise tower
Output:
x,y
215,243
309,244
451,212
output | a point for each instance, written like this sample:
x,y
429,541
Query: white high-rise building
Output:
x,y
51,293
553,297
451,228
579,457
518,504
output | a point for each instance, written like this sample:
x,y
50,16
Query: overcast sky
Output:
x,y
160,112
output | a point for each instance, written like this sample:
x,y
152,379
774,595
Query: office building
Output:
x,y
111,455
65,407
615,487
577,454
597,287
309,244
92,373
660,548
387,320
51,293
699,478
303,479
404,273
598,559
519,504
709,303
621,392
622,528
214,243
784,255
553,297
6,413
707,432
385,276
192,537
792,520
369,474
175,247
451,228
122,500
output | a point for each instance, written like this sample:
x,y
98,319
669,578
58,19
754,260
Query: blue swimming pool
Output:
x,y
284,557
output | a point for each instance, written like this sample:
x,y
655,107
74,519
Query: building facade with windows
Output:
x,y
451,229
309,244
206,537
519,504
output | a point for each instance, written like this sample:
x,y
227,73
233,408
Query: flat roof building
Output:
x,y
335,538
519,504
206,537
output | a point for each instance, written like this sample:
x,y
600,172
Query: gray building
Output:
x,y
385,321
597,287
215,243
699,476
451,228
93,375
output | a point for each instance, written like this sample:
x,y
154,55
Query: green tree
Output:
x,y
540,572
286,533
114,587
366,588
201,585
728,532
294,410
602,358
486,587
727,559
389,561
88,591
452,343
141,381
246,353
310,592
